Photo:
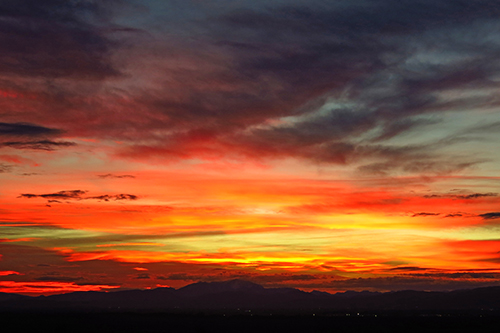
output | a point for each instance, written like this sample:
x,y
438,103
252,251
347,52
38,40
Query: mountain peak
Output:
x,y
240,284
201,288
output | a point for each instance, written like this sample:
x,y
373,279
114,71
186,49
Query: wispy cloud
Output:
x,y
490,216
5,167
31,136
78,195
425,214
109,175
26,130
73,194
47,145
461,196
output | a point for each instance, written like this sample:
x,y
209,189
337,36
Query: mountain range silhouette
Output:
x,y
244,297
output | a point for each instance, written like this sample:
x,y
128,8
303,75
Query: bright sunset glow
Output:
x,y
342,145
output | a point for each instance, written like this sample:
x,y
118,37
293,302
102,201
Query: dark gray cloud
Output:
x,y
253,277
424,214
73,194
462,196
54,38
46,145
376,70
408,268
349,49
78,195
31,136
477,195
410,282
461,275
490,216
344,38
359,57
454,215
115,197
26,130
109,175
374,17
57,278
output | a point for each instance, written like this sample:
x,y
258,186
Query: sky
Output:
x,y
329,145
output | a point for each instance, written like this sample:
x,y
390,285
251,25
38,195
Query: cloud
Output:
x,y
490,216
44,267
408,268
461,275
249,276
17,160
461,196
57,278
330,83
424,214
383,17
54,39
477,195
389,106
5,167
26,224
26,130
450,215
34,137
454,215
46,145
109,175
410,282
115,197
78,195
74,194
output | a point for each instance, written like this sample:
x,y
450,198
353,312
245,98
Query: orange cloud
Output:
x,y
48,288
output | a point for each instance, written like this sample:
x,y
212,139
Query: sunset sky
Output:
x,y
330,145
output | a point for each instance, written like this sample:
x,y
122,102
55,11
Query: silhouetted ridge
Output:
x,y
240,296
11,297
203,288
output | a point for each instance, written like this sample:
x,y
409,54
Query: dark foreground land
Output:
x,y
158,322
242,306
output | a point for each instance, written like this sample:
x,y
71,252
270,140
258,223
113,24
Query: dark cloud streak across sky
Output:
x,y
78,195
